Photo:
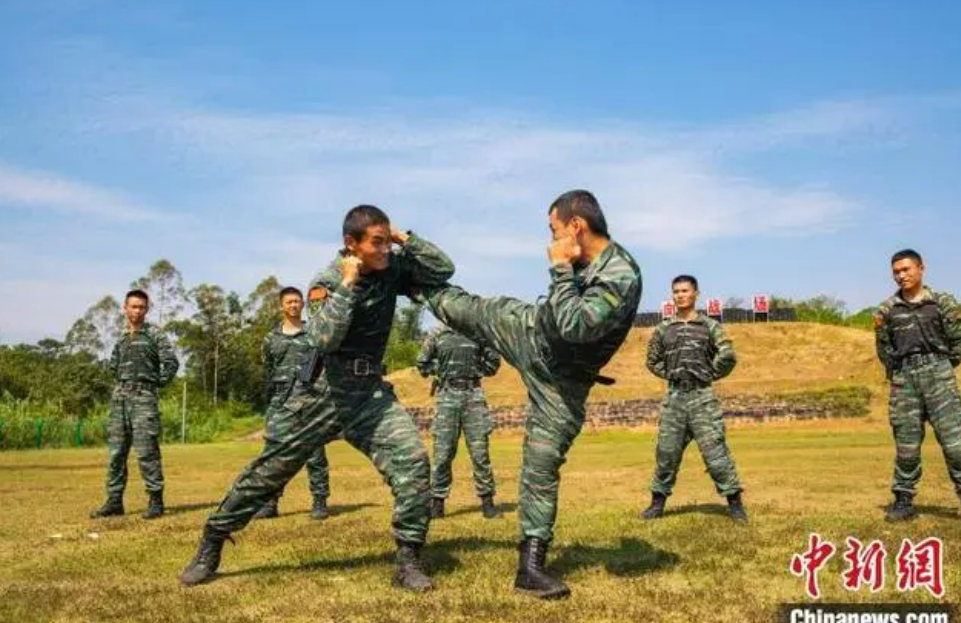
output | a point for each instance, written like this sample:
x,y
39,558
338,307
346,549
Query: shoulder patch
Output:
x,y
878,320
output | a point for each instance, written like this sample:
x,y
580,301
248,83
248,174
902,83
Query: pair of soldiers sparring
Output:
x,y
558,347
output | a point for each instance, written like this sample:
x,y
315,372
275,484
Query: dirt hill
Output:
x,y
777,357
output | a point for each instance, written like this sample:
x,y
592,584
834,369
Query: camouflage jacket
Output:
x,y
932,325
695,351
588,313
355,323
448,355
144,356
282,355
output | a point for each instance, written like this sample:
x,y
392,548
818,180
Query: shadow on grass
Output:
x,y
504,507
52,467
334,509
945,512
631,557
186,508
704,509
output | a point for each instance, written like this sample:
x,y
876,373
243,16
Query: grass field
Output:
x,y
693,565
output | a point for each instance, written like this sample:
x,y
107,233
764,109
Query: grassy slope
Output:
x,y
691,566
775,357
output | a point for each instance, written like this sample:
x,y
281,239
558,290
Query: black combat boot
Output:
x,y
531,577
409,572
113,506
902,509
319,510
155,507
656,509
203,568
268,510
436,508
488,508
736,509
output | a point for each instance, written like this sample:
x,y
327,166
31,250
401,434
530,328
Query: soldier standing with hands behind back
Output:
x,y
284,350
691,351
142,361
918,337
458,363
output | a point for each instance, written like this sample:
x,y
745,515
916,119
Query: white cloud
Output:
x,y
494,176
477,184
41,190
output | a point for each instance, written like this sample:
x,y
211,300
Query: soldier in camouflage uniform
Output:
x,y
142,361
559,348
690,352
350,317
918,337
284,349
459,364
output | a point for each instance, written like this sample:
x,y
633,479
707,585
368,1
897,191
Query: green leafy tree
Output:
x,y
164,284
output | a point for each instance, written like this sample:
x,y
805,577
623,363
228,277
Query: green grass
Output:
x,y
693,565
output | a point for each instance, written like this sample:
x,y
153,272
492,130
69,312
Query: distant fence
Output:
x,y
732,315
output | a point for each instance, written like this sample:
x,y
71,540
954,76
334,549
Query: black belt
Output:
x,y
687,385
363,367
462,384
920,359
135,385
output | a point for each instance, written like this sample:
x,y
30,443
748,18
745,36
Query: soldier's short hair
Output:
x,y
907,254
137,294
583,204
359,218
290,290
691,279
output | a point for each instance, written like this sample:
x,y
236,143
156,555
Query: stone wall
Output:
x,y
838,402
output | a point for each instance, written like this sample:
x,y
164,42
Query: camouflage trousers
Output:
x,y
926,392
461,410
557,404
279,426
134,419
366,412
693,415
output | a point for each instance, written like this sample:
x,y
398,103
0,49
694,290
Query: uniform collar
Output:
x,y
927,295
699,318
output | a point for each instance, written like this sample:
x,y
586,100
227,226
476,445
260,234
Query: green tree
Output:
x,y
164,284
83,338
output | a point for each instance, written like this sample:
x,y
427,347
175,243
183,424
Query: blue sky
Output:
x,y
784,148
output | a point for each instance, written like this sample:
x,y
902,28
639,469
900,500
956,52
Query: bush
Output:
x,y
32,424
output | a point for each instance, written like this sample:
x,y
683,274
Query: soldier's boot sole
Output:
x,y
899,515
544,587
319,511
739,517
107,511
489,510
196,577
415,581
